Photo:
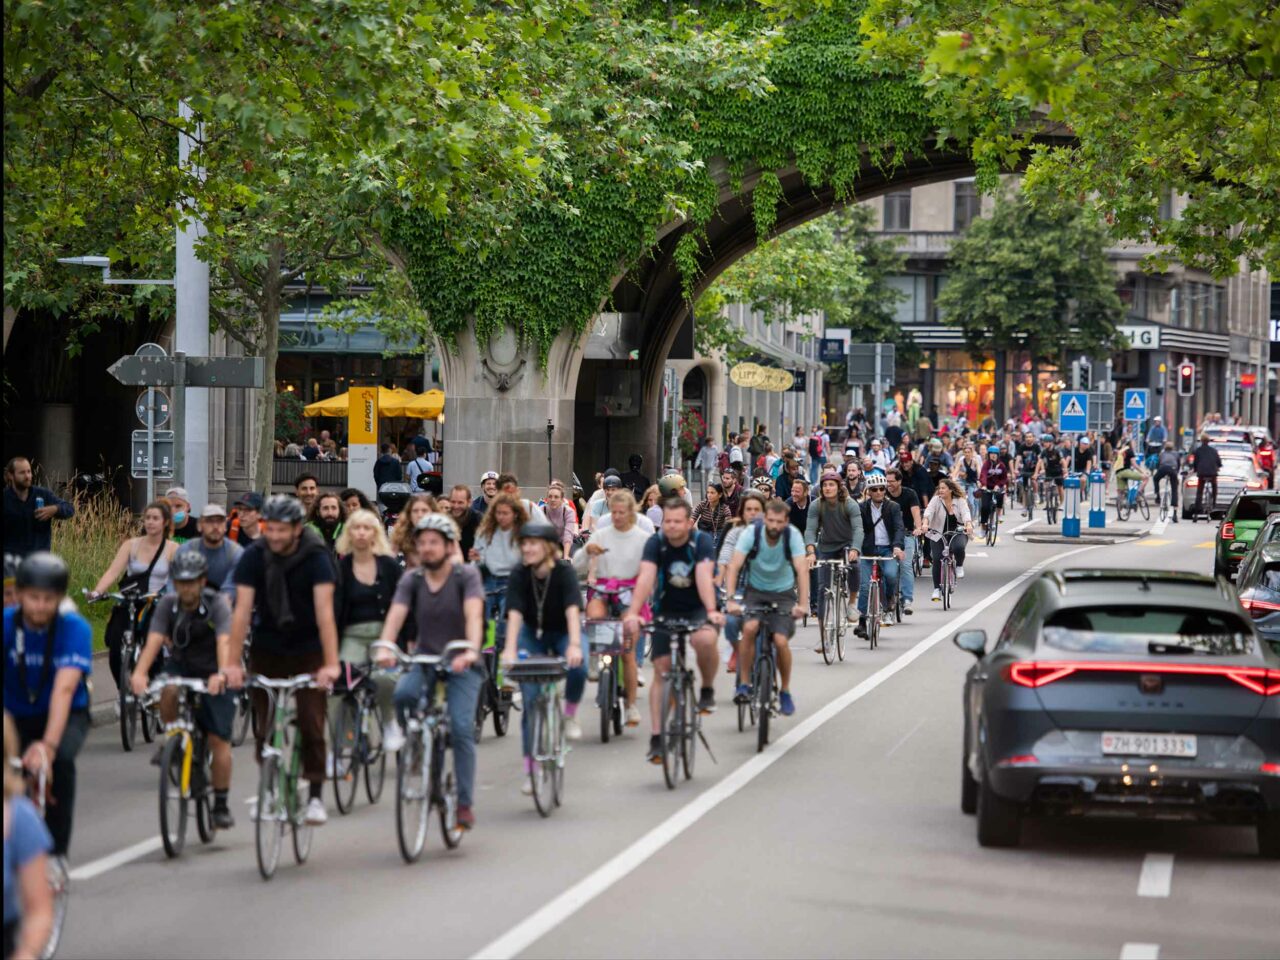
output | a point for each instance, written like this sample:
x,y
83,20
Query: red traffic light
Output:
x,y
1186,379
1188,370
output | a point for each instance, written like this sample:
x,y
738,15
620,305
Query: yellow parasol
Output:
x,y
391,402
427,406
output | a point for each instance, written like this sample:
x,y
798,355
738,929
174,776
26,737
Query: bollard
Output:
x,y
1097,500
1071,507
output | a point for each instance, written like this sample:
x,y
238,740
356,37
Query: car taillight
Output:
x,y
1258,608
1254,484
1228,530
1271,768
1021,760
1039,673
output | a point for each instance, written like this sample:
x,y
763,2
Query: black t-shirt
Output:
x,y
302,636
1029,453
562,592
799,514
676,591
906,499
467,528
1081,458
363,605
1052,462
190,530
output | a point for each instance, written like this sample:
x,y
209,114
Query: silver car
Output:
x,y
1239,472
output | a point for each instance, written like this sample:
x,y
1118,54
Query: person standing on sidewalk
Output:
x,y
29,510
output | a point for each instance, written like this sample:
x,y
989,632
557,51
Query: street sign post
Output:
x,y
155,400
152,447
1136,403
1102,410
1073,412
871,364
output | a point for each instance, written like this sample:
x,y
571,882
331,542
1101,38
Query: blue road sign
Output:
x,y
1135,405
1073,412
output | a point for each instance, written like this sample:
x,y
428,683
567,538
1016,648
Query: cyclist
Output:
x,y
834,532
28,897
1130,468
488,490
285,584
326,517
947,514
772,552
447,599
882,536
676,572
194,622
1207,463
1167,469
966,470
1026,466
992,482
908,502
220,553
544,618
1051,466
752,509
48,654
498,553
1157,434
245,524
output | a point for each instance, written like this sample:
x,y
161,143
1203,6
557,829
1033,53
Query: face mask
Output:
x,y
179,517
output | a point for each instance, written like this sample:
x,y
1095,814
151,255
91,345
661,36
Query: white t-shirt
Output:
x,y
622,561
735,454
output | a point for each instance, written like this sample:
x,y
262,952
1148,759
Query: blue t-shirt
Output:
x,y
676,592
28,837
771,571
72,647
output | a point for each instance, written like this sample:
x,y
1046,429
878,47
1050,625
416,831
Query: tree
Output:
x,y
1163,96
1034,280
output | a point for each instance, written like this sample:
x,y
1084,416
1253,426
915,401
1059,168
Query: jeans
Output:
x,y
958,543
888,577
495,606
548,645
816,466
462,692
62,804
907,580
970,493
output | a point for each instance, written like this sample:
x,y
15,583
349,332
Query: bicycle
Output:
x,y
425,776
875,602
1130,499
764,673
58,875
832,603
681,719
947,571
1049,493
495,697
132,713
992,530
357,740
605,640
550,749
186,768
1166,500
1026,496
279,776
246,718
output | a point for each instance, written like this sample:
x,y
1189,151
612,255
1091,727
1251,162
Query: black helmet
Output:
x,y
188,565
44,571
533,530
283,508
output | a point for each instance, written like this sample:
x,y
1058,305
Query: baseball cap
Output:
x,y
179,492
251,500
612,481
213,510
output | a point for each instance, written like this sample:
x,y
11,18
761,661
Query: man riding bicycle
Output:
x,y
1051,465
882,536
777,572
1167,468
1026,465
194,622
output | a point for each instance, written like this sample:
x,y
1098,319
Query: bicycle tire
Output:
x,y
375,757
1143,507
672,716
917,565
1051,503
60,884
1122,507
842,622
302,832
148,723
303,835
445,781
269,827
607,692
873,614
127,704
345,737
540,773
412,798
742,716
947,578
619,695
828,626
559,740
692,720
203,793
173,801
762,672
244,719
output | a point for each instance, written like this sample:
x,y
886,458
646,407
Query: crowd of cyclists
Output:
x,y
319,583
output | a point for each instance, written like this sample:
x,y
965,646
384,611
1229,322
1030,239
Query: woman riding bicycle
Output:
x,y
947,516
967,468
992,483
834,532
1129,468
498,554
711,515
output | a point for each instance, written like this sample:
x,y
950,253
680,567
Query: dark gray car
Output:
x,y
1258,582
1128,693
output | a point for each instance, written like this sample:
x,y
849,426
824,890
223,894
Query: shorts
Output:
x,y
215,713
660,639
780,622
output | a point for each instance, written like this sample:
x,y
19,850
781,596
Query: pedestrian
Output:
x,y
220,553
387,468
818,447
185,525
707,461
758,444
29,510
418,470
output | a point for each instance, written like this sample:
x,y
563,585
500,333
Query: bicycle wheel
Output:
x,y
1143,507
543,745
619,692
1164,505
173,798
917,564
692,719
606,693
762,673
301,830
842,625
125,701
873,614
561,751
345,738
244,717
60,884
269,826
202,792
375,758
148,722
482,706
1051,503
672,721
828,626
947,579
445,781
1029,499
1122,507
412,797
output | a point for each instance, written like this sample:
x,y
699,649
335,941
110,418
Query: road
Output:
x,y
845,838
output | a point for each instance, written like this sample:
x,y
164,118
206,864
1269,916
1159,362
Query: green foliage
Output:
x,y
1163,96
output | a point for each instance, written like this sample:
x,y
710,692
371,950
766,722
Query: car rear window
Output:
x,y
1237,467
1255,508
1144,631
1271,577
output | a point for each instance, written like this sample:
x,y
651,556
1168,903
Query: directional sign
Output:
x,y
1073,412
147,371
161,404
861,365
153,371
1102,409
1135,404
163,450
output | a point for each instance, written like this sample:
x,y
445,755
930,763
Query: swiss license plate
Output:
x,y
1149,744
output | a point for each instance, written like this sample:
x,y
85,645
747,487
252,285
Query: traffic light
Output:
x,y
1186,379
1082,374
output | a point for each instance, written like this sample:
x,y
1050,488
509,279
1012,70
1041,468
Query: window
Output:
x,y
1144,631
1165,211
897,210
968,206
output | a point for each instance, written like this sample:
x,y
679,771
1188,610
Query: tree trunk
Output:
x,y
269,345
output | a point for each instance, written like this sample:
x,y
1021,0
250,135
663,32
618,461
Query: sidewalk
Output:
x,y
102,692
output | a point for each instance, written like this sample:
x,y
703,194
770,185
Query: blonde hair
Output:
x,y
12,778
381,545
626,498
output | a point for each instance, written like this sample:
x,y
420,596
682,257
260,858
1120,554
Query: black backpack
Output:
x,y
815,447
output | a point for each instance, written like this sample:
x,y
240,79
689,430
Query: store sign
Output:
x,y
830,350
1248,381
362,438
752,376
1141,337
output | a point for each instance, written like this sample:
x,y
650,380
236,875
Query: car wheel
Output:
x,y
999,820
1269,836
968,788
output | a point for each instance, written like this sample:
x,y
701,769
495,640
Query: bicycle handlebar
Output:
x,y
196,686
451,650
117,597
288,684
676,625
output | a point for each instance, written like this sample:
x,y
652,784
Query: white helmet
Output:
x,y
440,524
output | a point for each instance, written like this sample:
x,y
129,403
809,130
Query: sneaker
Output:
x,y
707,701
115,709
392,736
572,728
633,716
222,818
330,768
786,704
906,609
655,749
861,629
640,680
253,809
959,573
937,595
466,819
742,694
316,816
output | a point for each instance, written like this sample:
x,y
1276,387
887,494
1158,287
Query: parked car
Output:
x,y
1244,517
1122,692
1258,583
1238,474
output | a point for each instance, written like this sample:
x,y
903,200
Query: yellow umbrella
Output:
x,y
391,400
428,406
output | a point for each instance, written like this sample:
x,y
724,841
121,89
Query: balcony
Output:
x,y
923,244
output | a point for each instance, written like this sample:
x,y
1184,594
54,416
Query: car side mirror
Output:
x,y
973,641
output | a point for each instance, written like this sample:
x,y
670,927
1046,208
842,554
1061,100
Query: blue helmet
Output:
x,y
993,449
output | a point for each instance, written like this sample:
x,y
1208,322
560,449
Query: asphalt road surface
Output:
x,y
845,838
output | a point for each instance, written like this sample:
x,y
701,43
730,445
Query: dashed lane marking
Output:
x,y
1156,879
1140,951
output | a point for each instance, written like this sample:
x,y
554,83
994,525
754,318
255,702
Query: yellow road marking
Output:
x,y
1207,545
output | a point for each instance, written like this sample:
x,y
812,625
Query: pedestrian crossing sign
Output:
x,y
1073,412
1135,405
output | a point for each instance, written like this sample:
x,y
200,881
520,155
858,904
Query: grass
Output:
x,y
88,542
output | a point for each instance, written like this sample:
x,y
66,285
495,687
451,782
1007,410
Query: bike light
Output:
x,y
1193,481
1228,530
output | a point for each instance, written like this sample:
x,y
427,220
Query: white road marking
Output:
x,y
1156,879
1140,951
1157,528
974,553
96,868
1020,527
910,733
547,918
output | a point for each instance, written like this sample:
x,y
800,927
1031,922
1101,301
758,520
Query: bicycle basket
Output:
x,y
536,670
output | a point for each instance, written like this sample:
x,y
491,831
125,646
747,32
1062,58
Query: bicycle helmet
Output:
x,y
993,449
440,524
283,508
533,530
44,571
188,565
762,483
671,485
876,481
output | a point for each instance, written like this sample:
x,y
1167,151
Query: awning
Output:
x,y
427,406
391,401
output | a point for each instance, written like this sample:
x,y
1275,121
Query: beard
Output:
x,y
434,565
327,524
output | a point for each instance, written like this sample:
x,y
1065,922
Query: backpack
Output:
x,y
722,462
757,525
815,446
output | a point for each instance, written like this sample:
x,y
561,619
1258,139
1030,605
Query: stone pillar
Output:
x,y
497,404
56,453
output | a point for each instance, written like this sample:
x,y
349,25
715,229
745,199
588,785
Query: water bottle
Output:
x,y
39,503
522,654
